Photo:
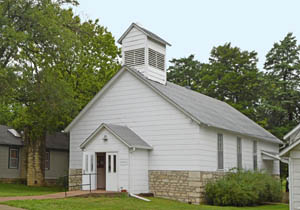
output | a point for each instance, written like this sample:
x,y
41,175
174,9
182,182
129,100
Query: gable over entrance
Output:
x,y
122,133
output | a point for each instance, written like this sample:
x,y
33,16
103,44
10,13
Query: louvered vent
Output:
x,y
135,57
156,59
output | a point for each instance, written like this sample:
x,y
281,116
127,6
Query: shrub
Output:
x,y
243,188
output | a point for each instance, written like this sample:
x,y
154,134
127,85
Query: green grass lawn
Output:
x,y
7,190
124,203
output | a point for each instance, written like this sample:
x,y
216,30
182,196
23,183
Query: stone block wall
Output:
x,y
184,186
75,178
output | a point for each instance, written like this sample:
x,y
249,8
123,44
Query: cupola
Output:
x,y
144,51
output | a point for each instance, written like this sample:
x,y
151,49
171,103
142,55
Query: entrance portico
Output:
x,y
111,158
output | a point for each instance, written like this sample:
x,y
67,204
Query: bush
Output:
x,y
243,188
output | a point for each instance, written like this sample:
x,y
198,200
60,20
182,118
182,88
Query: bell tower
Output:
x,y
144,51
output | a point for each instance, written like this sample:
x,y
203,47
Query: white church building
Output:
x,y
143,134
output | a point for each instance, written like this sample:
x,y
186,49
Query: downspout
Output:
x,y
129,180
129,169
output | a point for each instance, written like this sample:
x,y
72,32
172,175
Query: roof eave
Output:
x,y
291,132
289,148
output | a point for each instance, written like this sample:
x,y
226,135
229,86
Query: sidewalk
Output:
x,y
77,193
3,207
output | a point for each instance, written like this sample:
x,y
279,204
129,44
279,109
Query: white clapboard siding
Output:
x,y
139,171
294,176
112,145
269,165
178,142
129,102
208,155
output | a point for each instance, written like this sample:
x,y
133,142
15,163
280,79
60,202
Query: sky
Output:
x,y
196,26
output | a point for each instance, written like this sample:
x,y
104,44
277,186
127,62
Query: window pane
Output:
x,y
13,153
115,163
86,163
220,152
109,163
92,163
255,155
13,163
13,158
239,152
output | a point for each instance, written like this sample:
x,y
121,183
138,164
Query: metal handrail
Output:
x,y
66,182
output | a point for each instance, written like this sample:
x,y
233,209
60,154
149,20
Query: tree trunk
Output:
x,y
35,146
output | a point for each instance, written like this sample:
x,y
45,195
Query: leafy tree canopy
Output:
x,y
281,104
52,64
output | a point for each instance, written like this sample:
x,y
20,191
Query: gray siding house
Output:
x,y
11,148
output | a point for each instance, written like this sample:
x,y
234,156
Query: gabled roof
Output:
x,y
57,140
199,107
123,133
286,150
7,138
296,129
144,31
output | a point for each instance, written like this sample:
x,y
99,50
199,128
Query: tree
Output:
x,y
281,102
231,76
185,72
57,64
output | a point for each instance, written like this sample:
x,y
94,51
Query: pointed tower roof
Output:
x,y
146,32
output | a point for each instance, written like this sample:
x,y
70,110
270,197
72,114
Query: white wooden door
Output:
x,y
111,171
89,171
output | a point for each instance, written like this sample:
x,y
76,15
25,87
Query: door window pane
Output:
x,y
109,163
115,163
92,163
86,163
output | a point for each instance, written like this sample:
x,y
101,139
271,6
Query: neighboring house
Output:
x,y
11,148
292,151
143,134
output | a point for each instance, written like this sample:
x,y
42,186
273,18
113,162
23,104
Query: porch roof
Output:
x,y
123,133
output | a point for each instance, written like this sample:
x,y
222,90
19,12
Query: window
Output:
x,y
47,160
92,163
255,155
156,59
109,163
239,153
13,159
115,163
220,152
135,57
86,163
